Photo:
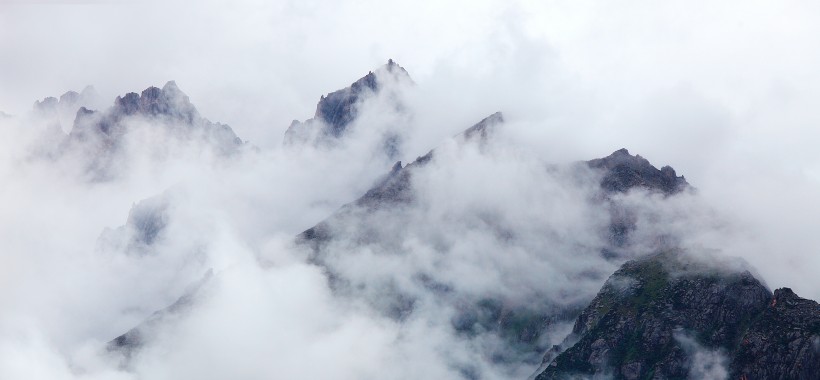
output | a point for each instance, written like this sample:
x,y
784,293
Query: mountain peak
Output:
x,y
336,110
168,101
624,171
395,68
481,130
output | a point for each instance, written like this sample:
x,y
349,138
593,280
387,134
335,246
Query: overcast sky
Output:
x,y
725,92
662,78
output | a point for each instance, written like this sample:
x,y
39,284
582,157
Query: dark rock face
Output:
x,y
336,111
623,172
783,342
337,108
639,325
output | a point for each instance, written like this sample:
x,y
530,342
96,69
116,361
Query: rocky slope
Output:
x,y
661,317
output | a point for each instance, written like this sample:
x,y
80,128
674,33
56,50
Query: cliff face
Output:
x,y
783,341
656,316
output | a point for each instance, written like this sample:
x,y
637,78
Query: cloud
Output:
x,y
724,93
704,363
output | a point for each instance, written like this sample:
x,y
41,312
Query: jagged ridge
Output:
x,y
624,171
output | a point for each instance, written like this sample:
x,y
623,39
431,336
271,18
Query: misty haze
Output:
x,y
472,190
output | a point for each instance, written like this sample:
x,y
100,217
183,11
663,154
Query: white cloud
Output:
x,y
724,92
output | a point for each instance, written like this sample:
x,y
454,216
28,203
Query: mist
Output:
x,y
723,93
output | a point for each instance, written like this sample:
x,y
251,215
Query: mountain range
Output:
x,y
667,312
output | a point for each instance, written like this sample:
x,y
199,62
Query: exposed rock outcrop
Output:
x,y
623,171
656,314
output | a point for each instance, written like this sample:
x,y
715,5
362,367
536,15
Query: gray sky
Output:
x,y
724,92
663,79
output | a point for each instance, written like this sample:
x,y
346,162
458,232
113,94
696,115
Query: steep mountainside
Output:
x,y
663,316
